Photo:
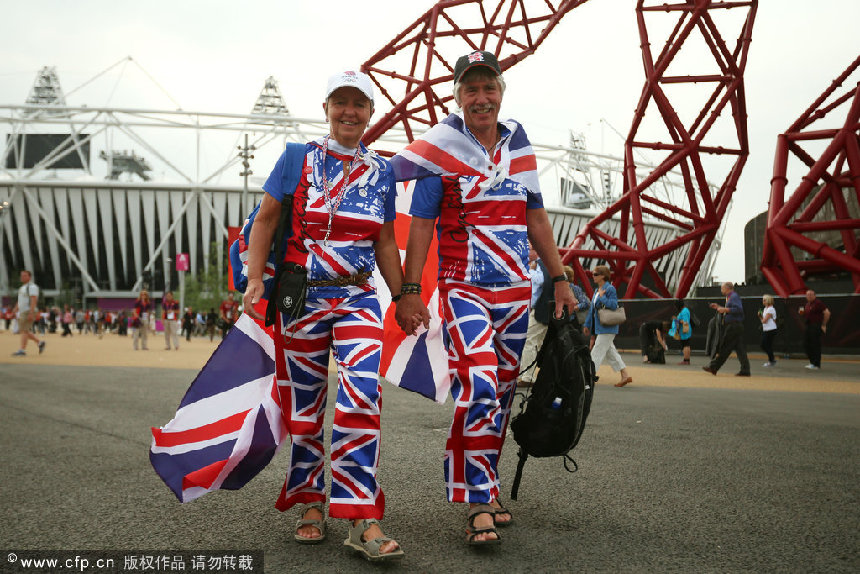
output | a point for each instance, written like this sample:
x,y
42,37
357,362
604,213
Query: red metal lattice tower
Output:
x,y
410,68
817,230
690,146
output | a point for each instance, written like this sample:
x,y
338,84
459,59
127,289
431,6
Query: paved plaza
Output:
x,y
680,471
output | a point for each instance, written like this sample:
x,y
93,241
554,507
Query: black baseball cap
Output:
x,y
476,58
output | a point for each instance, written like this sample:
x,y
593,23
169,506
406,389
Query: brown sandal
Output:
x,y
319,524
371,549
472,531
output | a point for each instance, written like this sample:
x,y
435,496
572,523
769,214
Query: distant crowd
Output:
x,y
30,320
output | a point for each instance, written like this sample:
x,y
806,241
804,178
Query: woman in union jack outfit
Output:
x,y
342,228
477,177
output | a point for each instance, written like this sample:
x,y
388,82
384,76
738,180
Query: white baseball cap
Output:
x,y
351,79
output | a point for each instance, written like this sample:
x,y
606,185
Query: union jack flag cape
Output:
x,y
448,148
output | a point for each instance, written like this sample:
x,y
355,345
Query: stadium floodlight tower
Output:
x,y
46,91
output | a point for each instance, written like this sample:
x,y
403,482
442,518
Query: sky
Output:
x,y
214,55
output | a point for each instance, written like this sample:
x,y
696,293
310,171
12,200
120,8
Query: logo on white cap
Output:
x,y
352,79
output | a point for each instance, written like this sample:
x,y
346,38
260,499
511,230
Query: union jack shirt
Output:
x,y
480,200
368,202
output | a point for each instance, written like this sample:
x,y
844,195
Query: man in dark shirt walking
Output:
x,y
817,315
733,332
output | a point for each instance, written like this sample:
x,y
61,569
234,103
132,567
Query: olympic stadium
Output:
x,y
99,201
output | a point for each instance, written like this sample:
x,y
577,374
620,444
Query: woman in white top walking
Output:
x,y
768,325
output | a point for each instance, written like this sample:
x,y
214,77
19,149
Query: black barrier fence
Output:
x,y
842,338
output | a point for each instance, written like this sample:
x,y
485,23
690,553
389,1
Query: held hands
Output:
x,y
411,312
252,296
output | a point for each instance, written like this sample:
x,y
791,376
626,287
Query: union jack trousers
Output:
x,y
352,327
486,328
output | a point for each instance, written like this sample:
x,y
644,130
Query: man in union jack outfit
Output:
x,y
477,182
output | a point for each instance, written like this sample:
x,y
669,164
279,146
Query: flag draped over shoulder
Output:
x,y
448,148
229,425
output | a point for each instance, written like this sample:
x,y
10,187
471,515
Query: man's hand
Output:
x,y
411,312
252,296
563,298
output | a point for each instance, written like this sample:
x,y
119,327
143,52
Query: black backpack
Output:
x,y
560,399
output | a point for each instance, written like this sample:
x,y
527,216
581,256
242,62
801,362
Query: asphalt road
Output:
x,y
670,479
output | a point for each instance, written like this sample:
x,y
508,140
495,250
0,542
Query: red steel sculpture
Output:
x,y
408,69
689,147
816,231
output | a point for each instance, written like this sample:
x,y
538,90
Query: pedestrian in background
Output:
x,y
817,316
604,335
538,319
143,308
79,320
68,319
733,332
170,316
211,322
188,323
580,310
682,329
229,314
27,313
652,341
767,316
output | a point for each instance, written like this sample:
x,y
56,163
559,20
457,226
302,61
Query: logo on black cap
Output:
x,y
476,58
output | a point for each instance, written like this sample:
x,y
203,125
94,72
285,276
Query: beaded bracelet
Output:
x,y
410,289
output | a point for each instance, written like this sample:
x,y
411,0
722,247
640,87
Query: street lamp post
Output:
x,y
246,155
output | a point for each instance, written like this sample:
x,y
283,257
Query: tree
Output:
x,y
208,288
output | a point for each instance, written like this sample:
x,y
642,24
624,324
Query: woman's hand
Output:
x,y
252,296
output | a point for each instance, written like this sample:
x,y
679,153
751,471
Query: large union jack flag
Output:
x,y
228,425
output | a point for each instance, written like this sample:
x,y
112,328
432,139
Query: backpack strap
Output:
x,y
515,488
294,159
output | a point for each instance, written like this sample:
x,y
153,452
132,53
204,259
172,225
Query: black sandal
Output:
x,y
472,532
